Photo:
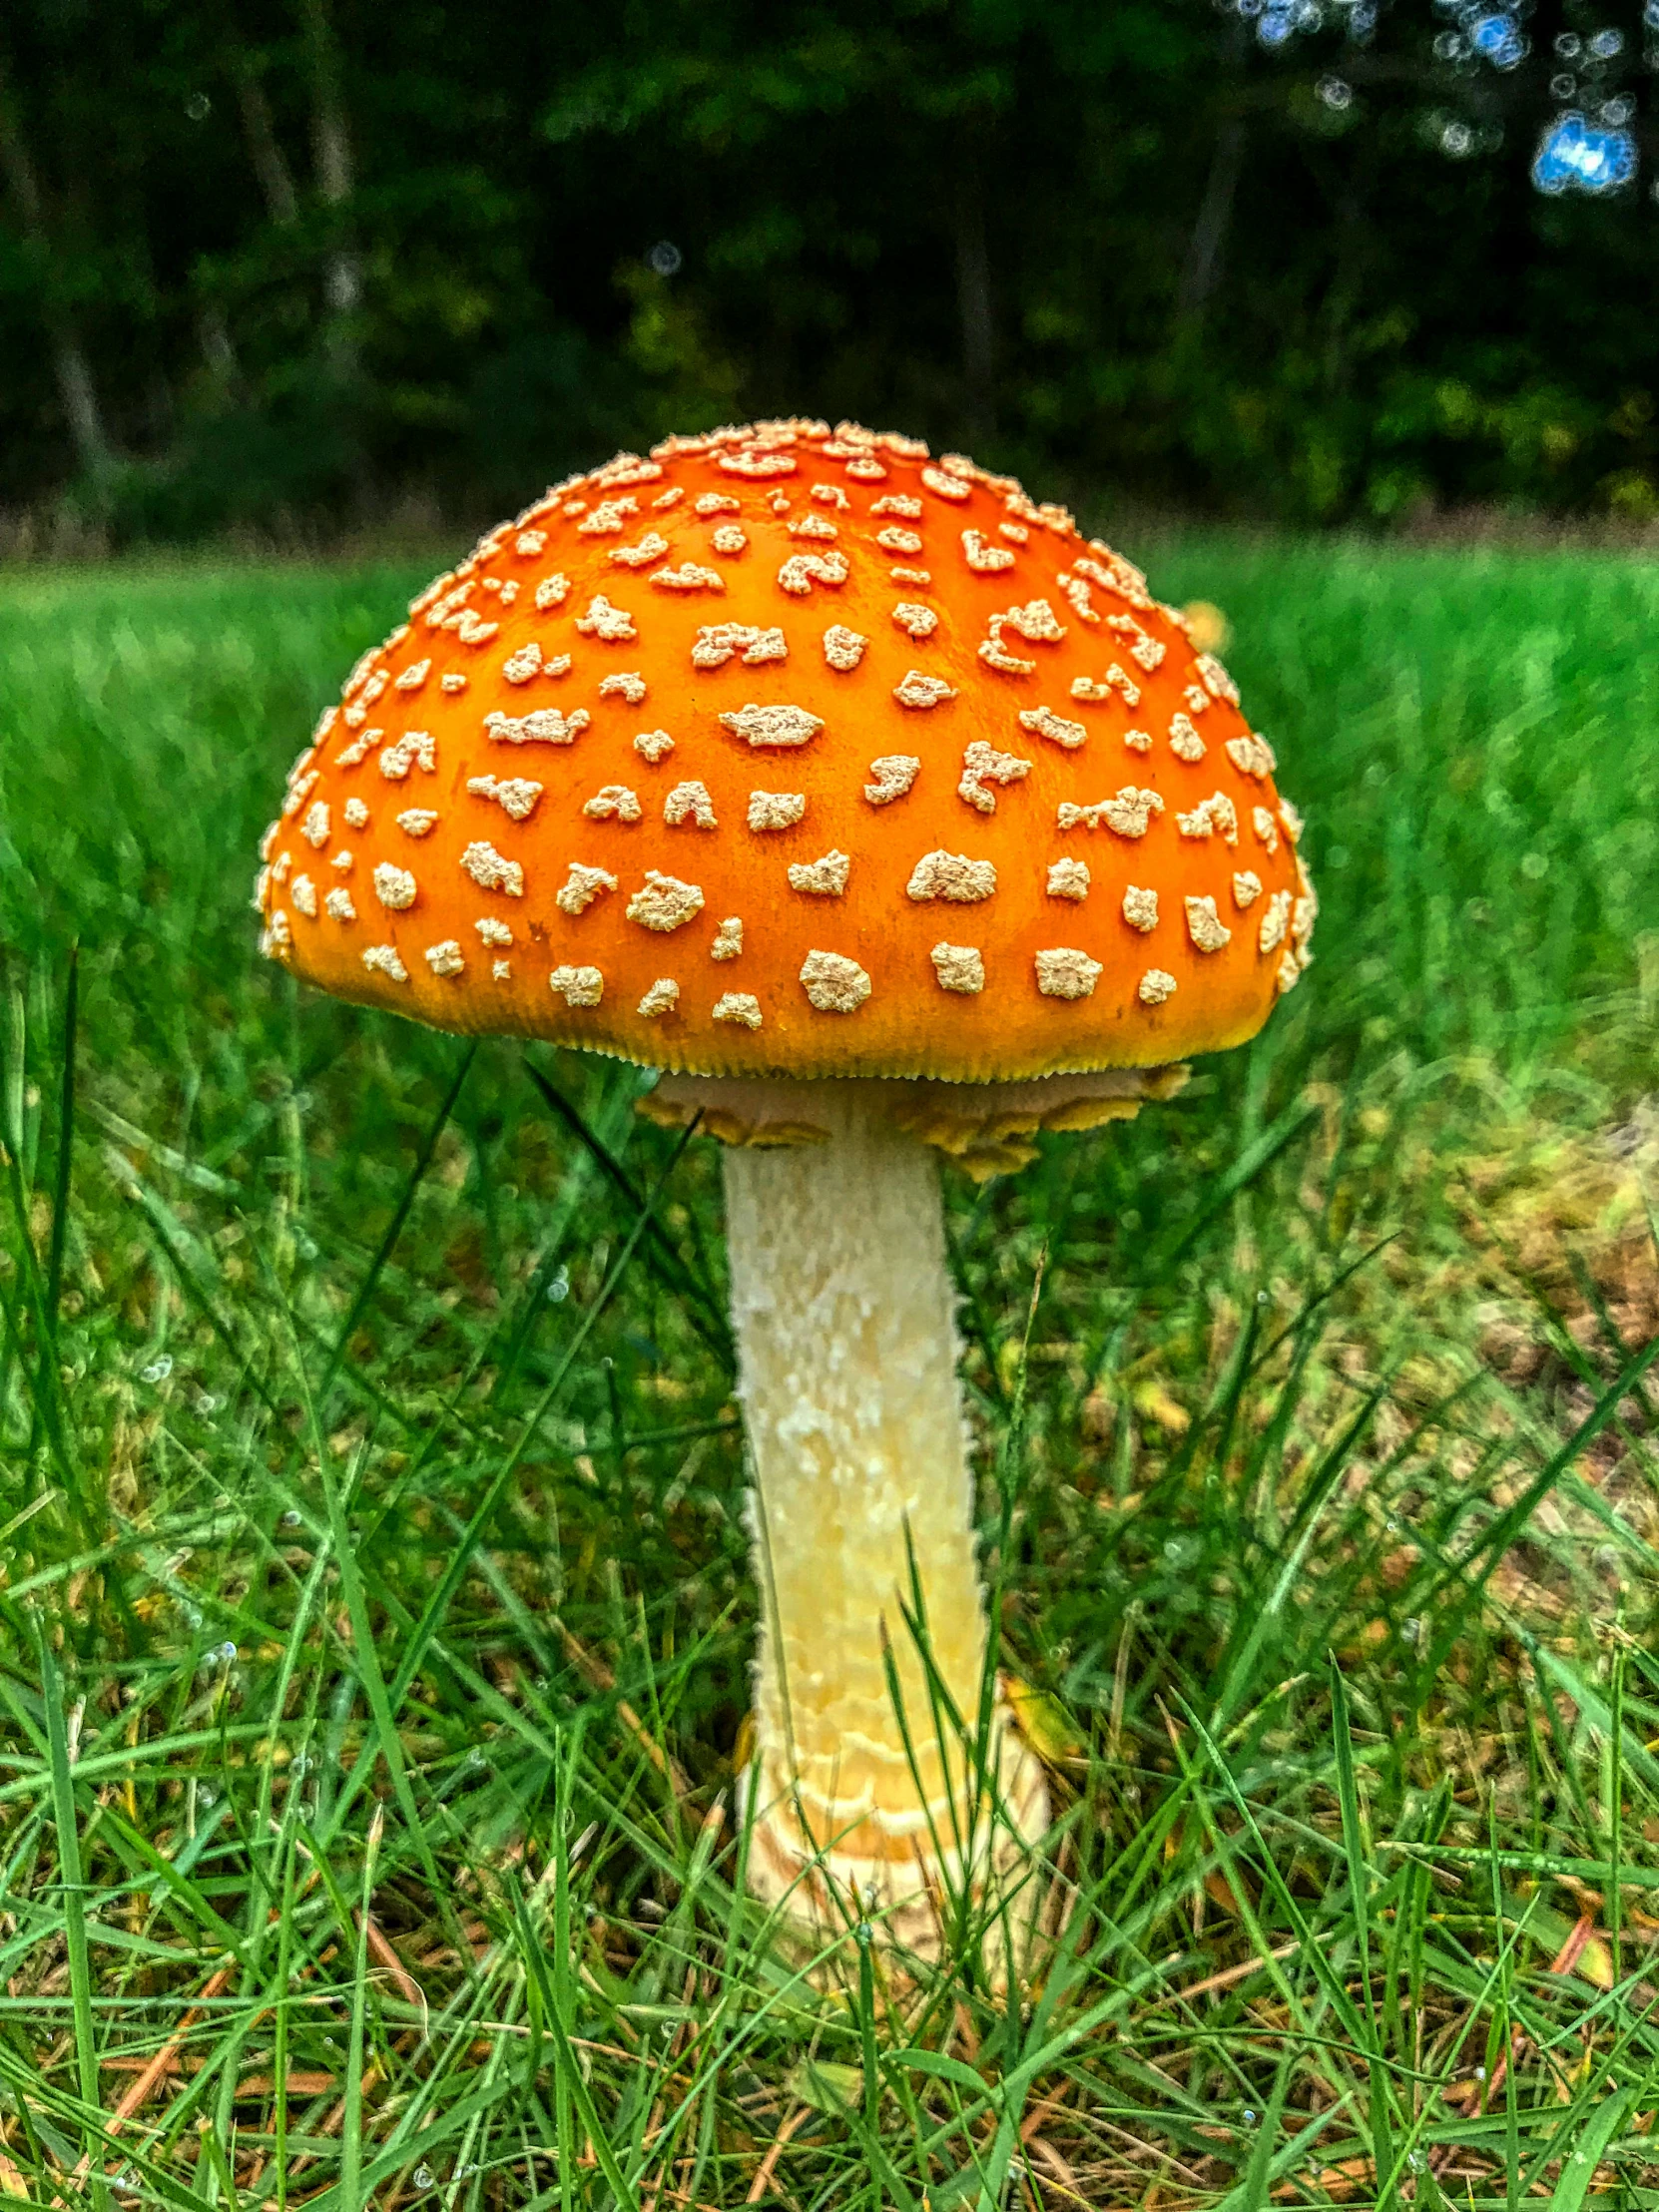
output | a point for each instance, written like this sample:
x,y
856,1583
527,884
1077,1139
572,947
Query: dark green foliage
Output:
x,y
316,258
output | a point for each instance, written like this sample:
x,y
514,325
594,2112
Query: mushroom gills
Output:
x,y
986,1128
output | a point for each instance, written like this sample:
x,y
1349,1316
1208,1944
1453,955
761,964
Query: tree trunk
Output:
x,y
72,372
343,283
1202,268
219,350
265,153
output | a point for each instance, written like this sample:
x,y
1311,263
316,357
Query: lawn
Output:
x,y
374,1606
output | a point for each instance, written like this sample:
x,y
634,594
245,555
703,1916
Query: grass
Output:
x,y
374,1606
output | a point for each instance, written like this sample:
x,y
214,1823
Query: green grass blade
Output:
x,y
394,1228
73,1905
1579,2164
66,1139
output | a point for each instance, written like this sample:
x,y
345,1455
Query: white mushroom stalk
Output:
x,y
868,1801
844,1311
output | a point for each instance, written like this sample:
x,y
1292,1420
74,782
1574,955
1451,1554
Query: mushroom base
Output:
x,y
915,1886
873,1652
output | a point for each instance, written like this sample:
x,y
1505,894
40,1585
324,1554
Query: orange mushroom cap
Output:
x,y
791,752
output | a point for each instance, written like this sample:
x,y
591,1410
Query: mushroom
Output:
x,y
877,859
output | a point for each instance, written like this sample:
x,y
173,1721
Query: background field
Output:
x,y
371,1500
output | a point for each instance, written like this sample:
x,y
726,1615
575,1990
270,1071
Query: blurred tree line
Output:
x,y
290,262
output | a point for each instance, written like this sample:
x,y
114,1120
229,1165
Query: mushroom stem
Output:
x,y
844,1311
